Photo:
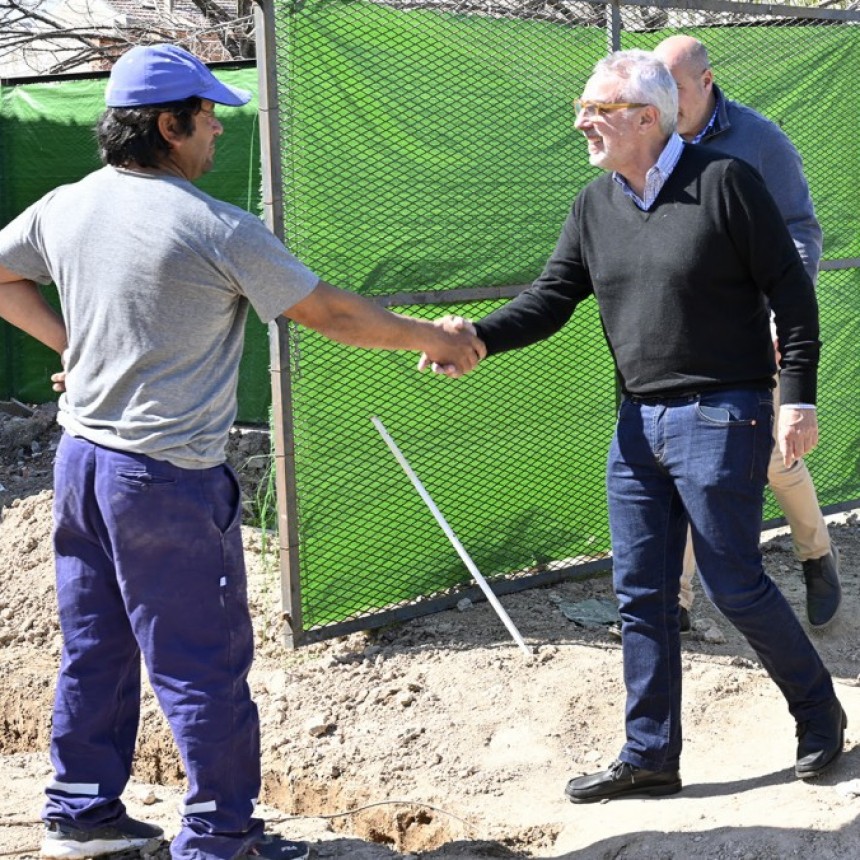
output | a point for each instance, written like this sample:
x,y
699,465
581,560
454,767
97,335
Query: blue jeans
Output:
x,y
149,561
699,460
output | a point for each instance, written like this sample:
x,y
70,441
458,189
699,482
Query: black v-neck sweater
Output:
x,y
684,290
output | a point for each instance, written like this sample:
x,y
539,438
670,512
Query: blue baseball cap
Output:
x,y
155,74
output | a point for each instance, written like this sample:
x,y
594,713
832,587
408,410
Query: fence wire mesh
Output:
x,y
428,158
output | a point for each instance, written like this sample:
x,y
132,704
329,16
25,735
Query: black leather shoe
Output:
x,y
823,592
820,741
620,780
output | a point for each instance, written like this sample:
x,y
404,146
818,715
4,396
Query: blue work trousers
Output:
x,y
700,460
149,561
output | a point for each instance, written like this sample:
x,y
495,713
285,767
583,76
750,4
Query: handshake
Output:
x,y
457,348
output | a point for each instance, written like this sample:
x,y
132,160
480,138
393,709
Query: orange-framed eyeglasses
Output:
x,y
589,108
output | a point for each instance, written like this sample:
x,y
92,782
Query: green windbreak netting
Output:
x,y
429,158
46,140
422,152
435,152
796,74
513,457
835,464
432,150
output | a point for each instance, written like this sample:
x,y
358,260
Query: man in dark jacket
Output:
x,y
707,117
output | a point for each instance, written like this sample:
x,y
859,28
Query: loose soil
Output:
x,y
439,738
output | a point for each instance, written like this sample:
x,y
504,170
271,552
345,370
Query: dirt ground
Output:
x,y
439,738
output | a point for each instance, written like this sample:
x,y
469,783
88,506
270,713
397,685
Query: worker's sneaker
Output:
x,y
276,848
62,840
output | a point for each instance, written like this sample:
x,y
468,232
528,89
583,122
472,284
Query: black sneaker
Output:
x,y
276,848
686,625
125,833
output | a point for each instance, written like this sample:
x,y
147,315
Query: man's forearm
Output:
x,y
23,305
354,320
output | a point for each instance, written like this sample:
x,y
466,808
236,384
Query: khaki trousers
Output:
x,y
795,494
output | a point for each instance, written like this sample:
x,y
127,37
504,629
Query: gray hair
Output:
x,y
643,78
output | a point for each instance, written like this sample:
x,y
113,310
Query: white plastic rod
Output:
x,y
488,592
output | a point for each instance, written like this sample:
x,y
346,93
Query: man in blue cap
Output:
x,y
155,280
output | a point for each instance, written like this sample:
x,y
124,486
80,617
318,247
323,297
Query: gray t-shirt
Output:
x,y
155,278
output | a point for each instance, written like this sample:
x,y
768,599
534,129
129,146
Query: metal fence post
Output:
x,y
282,437
613,26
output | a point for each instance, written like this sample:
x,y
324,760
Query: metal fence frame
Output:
x,y
280,338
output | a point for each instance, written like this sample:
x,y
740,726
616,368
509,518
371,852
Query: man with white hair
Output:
x,y
684,251
708,118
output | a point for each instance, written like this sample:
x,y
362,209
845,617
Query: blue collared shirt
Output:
x,y
709,126
656,177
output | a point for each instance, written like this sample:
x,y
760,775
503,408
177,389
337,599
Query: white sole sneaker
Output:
x,y
125,834
69,849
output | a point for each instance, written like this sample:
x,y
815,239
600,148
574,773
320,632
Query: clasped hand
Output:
x,y
460,350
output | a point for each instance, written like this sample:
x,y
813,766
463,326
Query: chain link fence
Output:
x,y
423,153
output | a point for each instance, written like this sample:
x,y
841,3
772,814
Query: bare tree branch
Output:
x,y
48,40
45,37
